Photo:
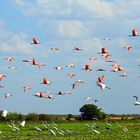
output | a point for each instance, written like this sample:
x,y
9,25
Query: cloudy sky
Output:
x,y
66,24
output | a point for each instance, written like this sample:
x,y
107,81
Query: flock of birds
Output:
x,y
87,68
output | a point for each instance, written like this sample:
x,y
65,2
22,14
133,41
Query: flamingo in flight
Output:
x,y
45,82
87,68
41,94
72,75
9,59
71,65
92,59
58,68
128,48
136,101
35,42
74,85
26,88
6,95
54,49
100,69
134,33
60,93
116,68
77,49
33,62
101,79
2,76
123,74
79,81
12,68
103,51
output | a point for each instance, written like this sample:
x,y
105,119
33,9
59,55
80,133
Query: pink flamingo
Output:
x,y
45,82
35,41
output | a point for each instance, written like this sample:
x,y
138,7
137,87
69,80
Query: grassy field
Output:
x,y
86,130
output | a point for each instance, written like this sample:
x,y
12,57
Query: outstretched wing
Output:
x,y
136,98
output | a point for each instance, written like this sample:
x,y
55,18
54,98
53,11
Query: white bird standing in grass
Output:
x,y
22,123
4,113
37,128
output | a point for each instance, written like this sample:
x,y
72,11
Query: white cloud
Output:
x,y
71,29
13,43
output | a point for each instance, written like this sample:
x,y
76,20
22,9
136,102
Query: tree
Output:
x,y
90,111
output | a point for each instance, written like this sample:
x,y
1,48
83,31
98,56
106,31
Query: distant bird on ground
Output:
x,y
4,113
22,124
37,128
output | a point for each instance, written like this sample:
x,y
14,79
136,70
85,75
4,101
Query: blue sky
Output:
x,y
65,25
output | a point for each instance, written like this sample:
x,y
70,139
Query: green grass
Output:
x,y
78,131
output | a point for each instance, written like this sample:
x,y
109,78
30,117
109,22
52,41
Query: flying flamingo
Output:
x,y
50,97
87,68
35,42
100,69
77,49
92,59
116,68
45,82
58,68
101,79
79,81
136,102
102,85
2,76
26,88
60,93
71,65
103,51
54,49
72,75
74,85
128,47
41,94
134,33
12,68
6,95
123,74
9,59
